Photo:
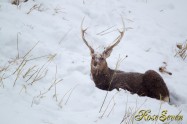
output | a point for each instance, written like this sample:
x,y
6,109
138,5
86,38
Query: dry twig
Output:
x,y
70,92
36,7
109,104
117,66
163,69
181,50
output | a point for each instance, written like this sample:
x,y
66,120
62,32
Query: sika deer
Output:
x,y
148,84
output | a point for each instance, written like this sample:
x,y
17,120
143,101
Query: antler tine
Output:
x,y
83,37
118,39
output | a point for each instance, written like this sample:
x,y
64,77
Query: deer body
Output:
x,y
148,84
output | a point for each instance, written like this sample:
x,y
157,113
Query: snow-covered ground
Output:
x,y
50,83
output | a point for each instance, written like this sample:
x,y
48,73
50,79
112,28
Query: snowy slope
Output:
x,y
63,92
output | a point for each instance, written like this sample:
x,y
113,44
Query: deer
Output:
x,y
149,84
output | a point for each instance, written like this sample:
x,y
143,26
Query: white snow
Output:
x,y
153,28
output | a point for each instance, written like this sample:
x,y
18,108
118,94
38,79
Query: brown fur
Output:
x,y
148,84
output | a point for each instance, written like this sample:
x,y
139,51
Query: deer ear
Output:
x,y
107,53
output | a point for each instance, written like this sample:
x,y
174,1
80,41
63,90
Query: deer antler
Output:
x,y
83,37
117,40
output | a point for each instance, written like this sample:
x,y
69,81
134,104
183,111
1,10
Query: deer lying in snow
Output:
x,y
148,84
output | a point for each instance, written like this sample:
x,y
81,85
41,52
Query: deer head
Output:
x,y
98,61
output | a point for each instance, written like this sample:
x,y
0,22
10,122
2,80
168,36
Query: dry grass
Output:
x,y
119,61
112,100
37,7
130,112
58,10
25,71
63,101
17,2
181,50
53,85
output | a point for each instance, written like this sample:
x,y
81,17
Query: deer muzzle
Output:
x,y
95,63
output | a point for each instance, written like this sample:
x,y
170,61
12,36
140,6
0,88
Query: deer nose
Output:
x,y
95,63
